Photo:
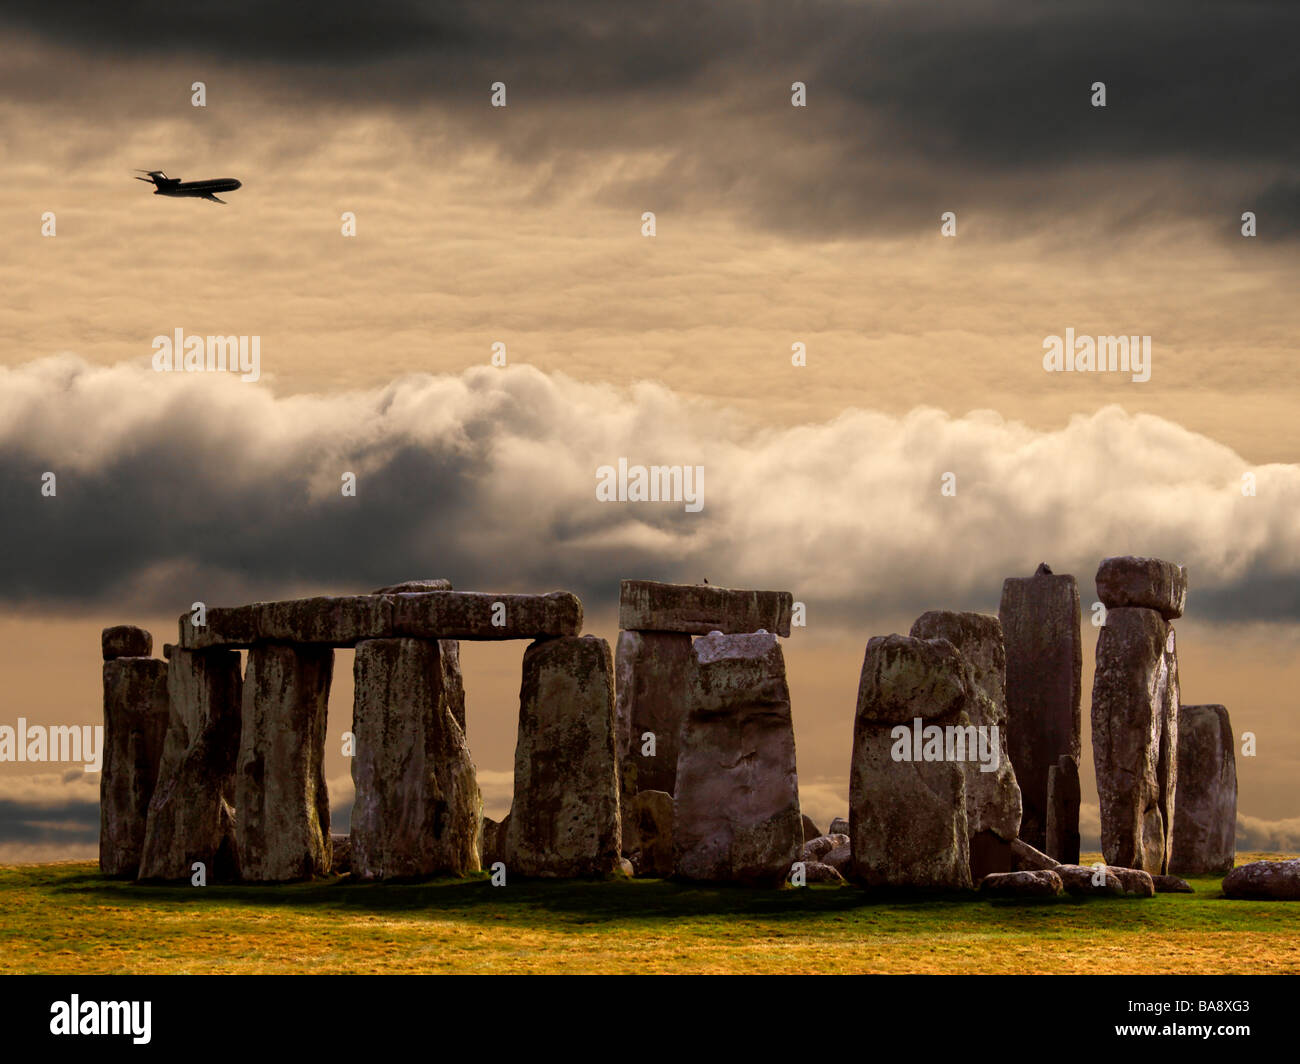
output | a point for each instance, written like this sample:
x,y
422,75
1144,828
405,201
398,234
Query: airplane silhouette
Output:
x,y
174,186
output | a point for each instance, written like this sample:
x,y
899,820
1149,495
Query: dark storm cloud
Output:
x,y
913,108
175,488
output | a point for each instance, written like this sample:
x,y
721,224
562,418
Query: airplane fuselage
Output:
x,y
196,188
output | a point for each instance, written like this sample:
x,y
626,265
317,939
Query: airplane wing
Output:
x,y
210,196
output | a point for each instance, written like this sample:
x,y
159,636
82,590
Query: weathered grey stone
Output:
x,y
414,587
1039,884
341,854
1029,859
908,817
191,814
736,812
565,820
1264,881
1063,797
1205,808
452,680
648,833
493,846
840,858
1172,885
1144,583
992,798
126,641
817,848
1044,655
345,620
417,807
816,872
1081,879
653,673
282,811
699,609
1135,737
839,826
1134,880
135,727
810,829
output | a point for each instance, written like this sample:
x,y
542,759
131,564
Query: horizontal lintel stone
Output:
x,y
698,609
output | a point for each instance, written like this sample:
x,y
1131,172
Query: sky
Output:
x,y
775,225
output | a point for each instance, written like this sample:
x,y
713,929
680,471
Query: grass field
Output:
x,y
66,918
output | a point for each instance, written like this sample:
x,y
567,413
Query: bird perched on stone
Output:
x,y
1043,569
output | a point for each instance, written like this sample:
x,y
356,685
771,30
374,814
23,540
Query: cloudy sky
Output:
x,y
775,225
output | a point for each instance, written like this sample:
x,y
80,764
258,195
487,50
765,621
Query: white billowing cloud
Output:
x,y
490,477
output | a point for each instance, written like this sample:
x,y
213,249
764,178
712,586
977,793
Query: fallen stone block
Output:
x,y
993,804
1144,583
1264,881
810,829
1044,661
135,728
907,818
816,872
282,811
653,673
840,858
565,820
839,826
1135,881
1040,884
1135,737
417,807
1172,885
191,813
817,848
1029,859
1083,879
1205,807
126,641
699,609
736,811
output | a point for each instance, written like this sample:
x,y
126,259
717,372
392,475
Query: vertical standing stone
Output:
x,y
417,803
1135,737
565,821
1063,810
1040,628
281,803
653,671
736,815
191,816
993,803
1205,809
452,681
135,726
907,808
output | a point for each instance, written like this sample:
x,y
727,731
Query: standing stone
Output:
x,y
1063,798
565,819
1040,627
191,815
736,814
126,641
1135,737
493,846
417,806
648,833
1205,810
993,804
282,808
907,818
653,671
452,680
135,728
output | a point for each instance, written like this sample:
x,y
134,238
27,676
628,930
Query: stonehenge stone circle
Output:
x,y
565,819
1147,583
126,641
907,819
993,804
699,609
736,814
1135,737
281,802
1205,807
653,671
135,728
1063,796
417,806
1044,661
191,814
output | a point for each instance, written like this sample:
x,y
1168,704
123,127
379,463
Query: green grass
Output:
x,y
66,918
